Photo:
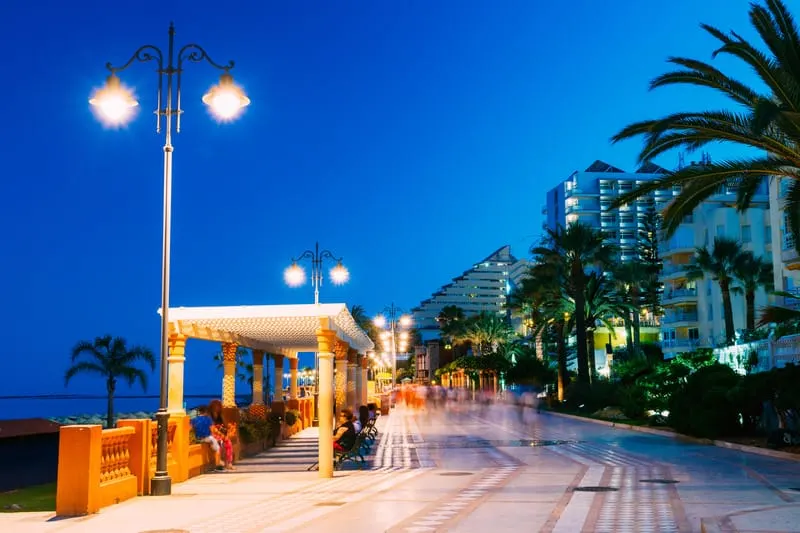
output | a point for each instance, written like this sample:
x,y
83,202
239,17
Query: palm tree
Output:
x,y
720,264
571,251
769,121
554,312
602,304
631,278
485,330
360,316
451,321
753,272
110,358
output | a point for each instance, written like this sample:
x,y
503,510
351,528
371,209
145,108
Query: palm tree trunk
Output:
x,y
111,386
580,328
629,335
590,351
561,355
637,331
750,298
730,333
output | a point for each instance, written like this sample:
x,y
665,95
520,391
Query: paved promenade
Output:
x,y
474,471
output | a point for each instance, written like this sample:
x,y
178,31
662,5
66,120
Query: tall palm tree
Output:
x,y
110,358
602,305
571,251
631,278
719,264
752,272
554,314
766,119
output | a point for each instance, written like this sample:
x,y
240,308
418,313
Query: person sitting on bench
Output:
x,y
344,436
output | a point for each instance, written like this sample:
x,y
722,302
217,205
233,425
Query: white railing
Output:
x,y
771,354
671,318
679,293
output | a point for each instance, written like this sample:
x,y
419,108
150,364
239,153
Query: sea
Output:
x,y
84,405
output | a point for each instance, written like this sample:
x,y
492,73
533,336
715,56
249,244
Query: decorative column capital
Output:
x,y
326,339
352,356
278,358
340,349
258,357
293,363
364,362
229,351
176,348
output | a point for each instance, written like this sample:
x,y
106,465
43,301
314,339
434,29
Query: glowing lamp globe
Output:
x,y
339,275
114,103
294,276
379,321
226,100
405,321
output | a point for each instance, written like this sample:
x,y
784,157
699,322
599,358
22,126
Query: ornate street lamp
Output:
x,y
295,276
115,105
395,338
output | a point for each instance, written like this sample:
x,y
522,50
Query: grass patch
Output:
x,y
36,498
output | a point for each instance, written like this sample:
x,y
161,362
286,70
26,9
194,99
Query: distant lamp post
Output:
x,y
115,105
395,339
295,276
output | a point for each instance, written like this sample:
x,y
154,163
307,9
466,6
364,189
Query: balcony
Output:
x,y
680,344
789,253
676,246
675,319
676,296
582,207
673,270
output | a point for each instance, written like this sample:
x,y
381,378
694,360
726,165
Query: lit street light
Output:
x,y
295,276
114,105
389,338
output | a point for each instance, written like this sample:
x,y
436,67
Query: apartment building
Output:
x,y
785,259
693,309
585,197
483,287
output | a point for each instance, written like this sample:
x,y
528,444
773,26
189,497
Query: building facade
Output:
x,y
483,288
693,314
785,259
585,197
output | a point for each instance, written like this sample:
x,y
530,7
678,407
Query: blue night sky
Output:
x,y
413,138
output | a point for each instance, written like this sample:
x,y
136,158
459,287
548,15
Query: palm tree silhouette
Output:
x,y
111,359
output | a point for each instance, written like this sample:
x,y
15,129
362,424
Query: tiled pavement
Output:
x,y
466,472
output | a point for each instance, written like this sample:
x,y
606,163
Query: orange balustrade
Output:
x,y
94,469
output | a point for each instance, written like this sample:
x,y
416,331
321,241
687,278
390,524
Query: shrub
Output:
x,y
632,401
292,417
255,430
591,397
703,406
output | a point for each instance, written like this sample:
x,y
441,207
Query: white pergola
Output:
x,y
328,329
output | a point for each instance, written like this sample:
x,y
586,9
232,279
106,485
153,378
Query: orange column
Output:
x,y
294,403
229,374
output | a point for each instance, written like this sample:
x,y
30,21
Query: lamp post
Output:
x,y
396,321
115,104
295,276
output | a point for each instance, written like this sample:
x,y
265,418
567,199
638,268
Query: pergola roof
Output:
x,y
273,328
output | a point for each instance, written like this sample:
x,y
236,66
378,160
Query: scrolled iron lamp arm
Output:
x,y
142,56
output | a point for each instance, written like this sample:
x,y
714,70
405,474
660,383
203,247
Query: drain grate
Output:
x,y
456,474
329,504
595,489
660,481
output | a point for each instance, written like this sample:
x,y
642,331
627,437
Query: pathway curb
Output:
x,y
775,454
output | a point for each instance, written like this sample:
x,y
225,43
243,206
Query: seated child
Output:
x,y
202,431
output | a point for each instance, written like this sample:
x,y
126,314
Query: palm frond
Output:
x,y
83,367
774,314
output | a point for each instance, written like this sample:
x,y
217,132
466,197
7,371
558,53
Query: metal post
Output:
x,y
161,483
